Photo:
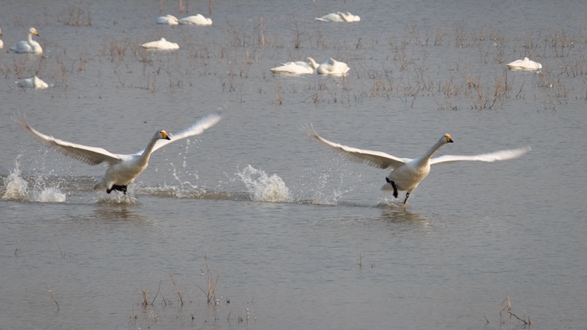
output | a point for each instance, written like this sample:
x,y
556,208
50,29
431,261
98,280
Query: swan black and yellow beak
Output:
x,y
448,138
164,135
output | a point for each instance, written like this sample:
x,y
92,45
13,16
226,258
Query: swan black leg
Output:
x,y
407,196
393,185
117,187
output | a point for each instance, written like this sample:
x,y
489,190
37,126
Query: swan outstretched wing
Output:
x,y
373,158
86,154
196,128
488,157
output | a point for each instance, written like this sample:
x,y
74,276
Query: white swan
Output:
x,y
1,42
339,17
333,67
167,20
407,173
196,20
29,45
122,169
349,18
160,45
298,67
34,82
525,64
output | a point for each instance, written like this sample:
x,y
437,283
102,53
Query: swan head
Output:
x,y
33,31
162,134
446,138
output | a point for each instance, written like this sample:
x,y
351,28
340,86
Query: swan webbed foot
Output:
x,y
393,185
117,187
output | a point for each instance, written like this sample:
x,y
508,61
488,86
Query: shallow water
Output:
x,y
292,235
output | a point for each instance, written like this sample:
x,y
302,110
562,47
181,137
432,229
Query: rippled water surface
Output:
x,y
254,225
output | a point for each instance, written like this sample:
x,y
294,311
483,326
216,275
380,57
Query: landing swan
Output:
x,y
196,20
407,173
34,82
525,64
333,67
161,45
298,67
122,169
167,20
29,45
339,17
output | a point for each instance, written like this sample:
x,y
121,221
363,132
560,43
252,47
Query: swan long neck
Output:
x,y
30,39
144,159
312,63
432,150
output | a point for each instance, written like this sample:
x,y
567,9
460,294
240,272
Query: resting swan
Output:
x,y
122,169
339,17
34,82
525,64
333,67
29,45
196,20
160,45
167,20
298,67
406,174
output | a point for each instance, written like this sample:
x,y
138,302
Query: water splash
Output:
x,y
263,187
17,188
50,195
117,198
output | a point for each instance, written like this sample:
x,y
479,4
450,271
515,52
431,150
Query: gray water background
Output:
x,y
298,237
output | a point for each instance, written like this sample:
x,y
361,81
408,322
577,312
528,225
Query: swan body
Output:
x,y
122,169
298,67
333,67
339,17
29,45
161,45
406,174
34,82
196,20
525,64
167,20
349,18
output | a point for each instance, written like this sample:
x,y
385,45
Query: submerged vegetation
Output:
x,y
212,309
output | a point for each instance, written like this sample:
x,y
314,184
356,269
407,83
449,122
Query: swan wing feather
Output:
x,y
373,158
196,128
488,157
86,154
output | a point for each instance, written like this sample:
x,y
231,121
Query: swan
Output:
x,y
298,67
161,45
196,20
34,82
122,169
1,42
29,45
525,64
406,174
339,17
349,18
332,17
333,67
167,20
